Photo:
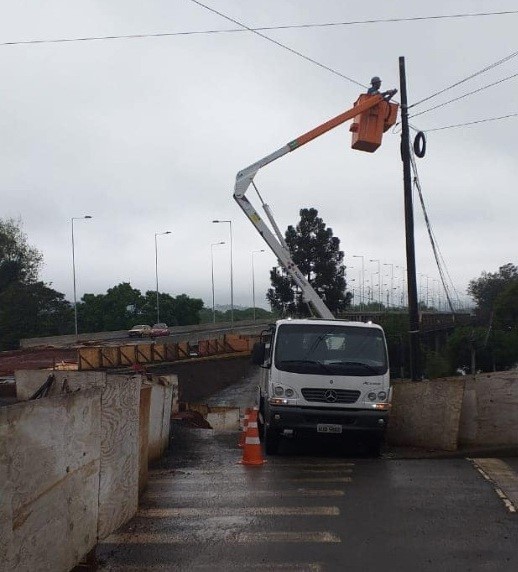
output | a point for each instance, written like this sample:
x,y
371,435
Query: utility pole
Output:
x,y
413,310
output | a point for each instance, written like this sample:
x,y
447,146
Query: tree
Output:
x,y
317,254
506,307
28,307
485,290
19,262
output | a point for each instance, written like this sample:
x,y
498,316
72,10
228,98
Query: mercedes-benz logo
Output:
x,y
330,396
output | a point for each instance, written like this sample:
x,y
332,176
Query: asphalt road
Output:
x,y
322,507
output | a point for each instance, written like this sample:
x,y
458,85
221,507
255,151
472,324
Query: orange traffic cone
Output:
x,y
242,435
252,454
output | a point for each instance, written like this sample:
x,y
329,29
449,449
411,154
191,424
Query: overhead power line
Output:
x,y
471,123
466,95
258,29
284,46
479,72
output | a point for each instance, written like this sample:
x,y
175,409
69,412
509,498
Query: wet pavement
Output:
x,y
321,505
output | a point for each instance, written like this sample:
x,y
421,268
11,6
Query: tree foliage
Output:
x,y
28,307
317,254
486,290
123,306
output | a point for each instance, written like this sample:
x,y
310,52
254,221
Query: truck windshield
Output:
x,y
339,350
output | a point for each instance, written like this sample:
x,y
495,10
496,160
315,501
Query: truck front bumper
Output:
x,y
306,419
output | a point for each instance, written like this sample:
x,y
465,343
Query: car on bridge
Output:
x,y
159,330
140,331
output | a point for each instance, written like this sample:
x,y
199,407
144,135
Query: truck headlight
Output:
x,y
382,395
372,396
278,390
289,392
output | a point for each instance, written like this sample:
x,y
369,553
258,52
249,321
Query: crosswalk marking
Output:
x,y
235,472
246,494
228,537
205,482
240,511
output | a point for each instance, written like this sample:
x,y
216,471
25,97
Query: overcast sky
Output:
x,y
147,135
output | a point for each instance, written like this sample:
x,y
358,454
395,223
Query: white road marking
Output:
x,y
231,538
270,468
239,511
247,494
503,479
207,482
262,566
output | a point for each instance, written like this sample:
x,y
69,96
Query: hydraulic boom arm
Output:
x,y
276,242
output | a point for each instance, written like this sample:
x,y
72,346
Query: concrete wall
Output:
x,y
426,413
161,406
466,411
49,461
490,410
69,465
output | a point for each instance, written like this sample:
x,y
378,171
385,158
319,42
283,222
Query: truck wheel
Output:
x,y
271,441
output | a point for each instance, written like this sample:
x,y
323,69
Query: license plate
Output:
x,y
328,428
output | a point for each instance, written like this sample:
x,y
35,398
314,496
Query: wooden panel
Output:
x,y
118,487
128,355
144,353
110,356
89,358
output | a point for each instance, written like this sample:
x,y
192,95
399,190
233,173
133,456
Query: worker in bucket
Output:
x,y
375,86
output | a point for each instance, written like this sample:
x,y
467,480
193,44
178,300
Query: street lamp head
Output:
x,y
88,216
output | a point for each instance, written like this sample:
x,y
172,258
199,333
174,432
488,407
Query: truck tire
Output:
x,y
271,441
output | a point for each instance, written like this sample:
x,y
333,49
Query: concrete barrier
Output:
x,y
426,413
465,411
69,463
490,410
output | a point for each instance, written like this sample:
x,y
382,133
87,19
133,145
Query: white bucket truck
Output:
x,y
324,376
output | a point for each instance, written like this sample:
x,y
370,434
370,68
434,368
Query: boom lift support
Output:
x,y
367,133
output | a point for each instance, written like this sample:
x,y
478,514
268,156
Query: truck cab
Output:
x,y
323,377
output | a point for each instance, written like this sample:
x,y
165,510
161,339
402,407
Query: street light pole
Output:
x,y
362,281
74,269
212,272
156,274
253,279
379,281
231,272
391,283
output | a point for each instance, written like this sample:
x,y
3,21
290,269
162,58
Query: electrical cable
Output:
x,y
441,266
483,70
471,122
278,43
466,95
262,28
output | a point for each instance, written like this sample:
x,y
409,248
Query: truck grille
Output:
x,y
330,395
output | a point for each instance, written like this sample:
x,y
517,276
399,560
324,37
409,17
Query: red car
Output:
x,y
159,330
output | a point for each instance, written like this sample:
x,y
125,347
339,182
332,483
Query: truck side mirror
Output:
x,y
258,353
